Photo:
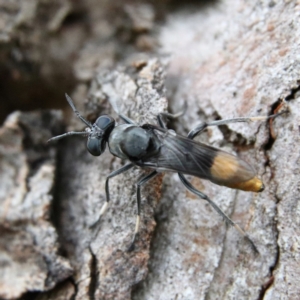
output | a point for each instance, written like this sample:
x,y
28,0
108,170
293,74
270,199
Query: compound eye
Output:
x,y
105,122
96,146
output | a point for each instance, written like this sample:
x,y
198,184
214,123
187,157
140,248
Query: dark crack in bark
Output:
x,y
275,108
94,275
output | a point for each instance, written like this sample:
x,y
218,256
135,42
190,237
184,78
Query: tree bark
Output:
x,y
225,59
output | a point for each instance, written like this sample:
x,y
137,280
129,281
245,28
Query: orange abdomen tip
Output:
x,y
252,185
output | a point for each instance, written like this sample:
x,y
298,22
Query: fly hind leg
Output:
x,y
198,129
228,221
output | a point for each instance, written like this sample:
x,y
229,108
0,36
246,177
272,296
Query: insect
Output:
x,y
156,147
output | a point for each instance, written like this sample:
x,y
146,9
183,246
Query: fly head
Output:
x,y
99,133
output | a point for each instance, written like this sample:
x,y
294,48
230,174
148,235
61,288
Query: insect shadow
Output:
x,y
156,147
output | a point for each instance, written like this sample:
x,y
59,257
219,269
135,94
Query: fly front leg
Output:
x,y
170,116
126,119
125,168
138,198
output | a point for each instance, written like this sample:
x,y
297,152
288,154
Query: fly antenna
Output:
x,y
58,137
77,112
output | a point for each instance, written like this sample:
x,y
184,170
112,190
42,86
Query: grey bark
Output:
x,y
225,59
29,248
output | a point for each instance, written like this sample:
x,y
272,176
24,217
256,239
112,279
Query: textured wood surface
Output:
x,y
224,59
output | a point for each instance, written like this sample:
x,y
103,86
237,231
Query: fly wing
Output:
x,y
180,154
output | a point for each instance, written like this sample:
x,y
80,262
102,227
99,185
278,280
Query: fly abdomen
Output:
x,y
230,171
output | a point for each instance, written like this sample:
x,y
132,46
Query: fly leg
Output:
x,y
170,116
125,168
126,119
198,129
192,189
138,197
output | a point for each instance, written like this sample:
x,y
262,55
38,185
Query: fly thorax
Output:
x,y
116,138
136,143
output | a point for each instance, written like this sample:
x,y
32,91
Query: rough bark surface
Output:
x,y
103,266
225,59
246,62
28,241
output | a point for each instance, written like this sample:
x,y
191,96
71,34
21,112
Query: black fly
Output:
x,y
158,148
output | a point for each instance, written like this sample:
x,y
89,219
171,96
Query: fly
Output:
x,y
157,148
